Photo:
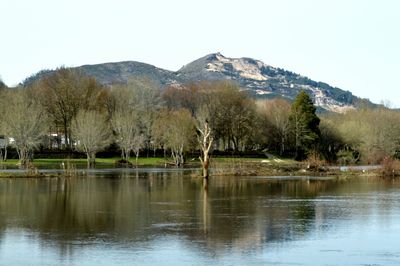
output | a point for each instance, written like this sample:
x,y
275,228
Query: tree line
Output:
x,y
198,118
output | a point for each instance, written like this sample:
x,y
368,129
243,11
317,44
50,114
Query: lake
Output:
x,y
166,217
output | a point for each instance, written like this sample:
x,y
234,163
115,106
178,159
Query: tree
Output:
x,y
147,102
2,85
3,127
25,122
331,141
64,93
138,102
373,133
231,114
304,124
205,140
92,134
275,114
129,137
176,130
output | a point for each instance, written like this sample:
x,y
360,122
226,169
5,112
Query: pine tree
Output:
x,y
304,124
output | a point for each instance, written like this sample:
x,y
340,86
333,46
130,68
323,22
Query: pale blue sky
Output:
x,y
353,45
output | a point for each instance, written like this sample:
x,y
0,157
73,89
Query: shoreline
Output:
x,y
246,167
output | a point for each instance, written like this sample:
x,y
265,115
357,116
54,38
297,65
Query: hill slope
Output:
x,y
259,79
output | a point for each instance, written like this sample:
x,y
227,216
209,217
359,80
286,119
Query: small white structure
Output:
x,y
3,142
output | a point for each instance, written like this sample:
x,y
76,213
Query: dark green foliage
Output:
x,y
38,76
2,85
305,125
331,141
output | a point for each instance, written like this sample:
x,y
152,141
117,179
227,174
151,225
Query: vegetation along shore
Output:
x,y
213,125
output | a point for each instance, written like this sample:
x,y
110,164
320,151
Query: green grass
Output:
x,y
9,162
99,161
252,160
150,161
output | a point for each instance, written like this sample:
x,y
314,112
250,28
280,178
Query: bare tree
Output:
x,y
146,102
92,134
67,91
374,133
137,104
25,122
129,136
205,140
3,126
177,131
231,111
139,141
276,116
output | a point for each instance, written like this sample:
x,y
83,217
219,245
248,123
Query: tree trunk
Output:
x,y
23,157
123,154
5,152
91,159
181,158
65,134
137,157
206,164
205,140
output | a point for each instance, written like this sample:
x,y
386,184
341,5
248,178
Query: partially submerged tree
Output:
x,y
92,134
25,122
205,140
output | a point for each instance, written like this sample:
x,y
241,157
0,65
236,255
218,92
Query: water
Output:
x,y
157,217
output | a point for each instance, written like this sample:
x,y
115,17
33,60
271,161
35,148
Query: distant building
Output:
x,y
3,141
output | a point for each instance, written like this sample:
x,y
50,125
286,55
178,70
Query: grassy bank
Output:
x,y
110,162
220,166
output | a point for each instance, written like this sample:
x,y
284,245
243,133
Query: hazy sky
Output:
x,y
354,45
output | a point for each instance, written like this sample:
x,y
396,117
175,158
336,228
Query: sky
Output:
x,y
350,44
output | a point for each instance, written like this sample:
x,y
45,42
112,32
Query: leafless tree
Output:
x,y
176,129
66,92
137,103
25,122
91,133
372,132
4,129
205,139
276,113
127,128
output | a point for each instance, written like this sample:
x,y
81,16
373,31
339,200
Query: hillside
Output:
x,y
259,79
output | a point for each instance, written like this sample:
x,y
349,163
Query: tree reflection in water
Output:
x,y
136,209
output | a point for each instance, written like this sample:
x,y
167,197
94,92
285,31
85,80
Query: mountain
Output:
x,y
259,79
264,81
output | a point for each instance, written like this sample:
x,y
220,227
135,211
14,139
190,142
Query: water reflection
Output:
x,y
150,211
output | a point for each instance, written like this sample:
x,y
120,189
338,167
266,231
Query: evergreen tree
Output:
x,y
304,123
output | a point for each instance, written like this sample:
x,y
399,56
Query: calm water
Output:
x,y
154,217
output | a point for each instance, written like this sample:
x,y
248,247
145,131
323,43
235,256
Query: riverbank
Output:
x,y
279,167
220,166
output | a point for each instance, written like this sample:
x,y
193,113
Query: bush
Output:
x,y
390,167
314,162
